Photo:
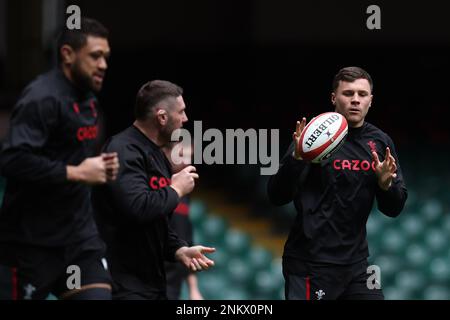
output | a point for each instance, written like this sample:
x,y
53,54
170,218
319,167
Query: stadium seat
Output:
x,y
213,230
265,285
259,258
432,210
239,272
436,241
412,225
389,266
197,212
439,271
211,284
436,292
237,243
417,256
393,241
411,281
394,293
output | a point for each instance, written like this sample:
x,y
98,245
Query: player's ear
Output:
x,y
67,54
333,98
162,116
371,98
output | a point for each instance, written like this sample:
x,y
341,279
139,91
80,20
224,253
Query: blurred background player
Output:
x,y
325,256
134,212
176,273
46,221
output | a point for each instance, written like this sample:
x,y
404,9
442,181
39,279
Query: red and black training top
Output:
x,y
333,199
52,125
133,213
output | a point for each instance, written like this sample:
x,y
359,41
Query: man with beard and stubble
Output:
x,y
133,212
47,228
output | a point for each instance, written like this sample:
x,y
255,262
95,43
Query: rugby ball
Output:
x,y
323,136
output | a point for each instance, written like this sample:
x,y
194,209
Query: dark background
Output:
x,y
251,64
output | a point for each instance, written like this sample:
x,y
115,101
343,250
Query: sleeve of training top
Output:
x,y
131,189
21,158
173,244
280,187
392,201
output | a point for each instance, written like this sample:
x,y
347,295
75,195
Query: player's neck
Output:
x,y
150,132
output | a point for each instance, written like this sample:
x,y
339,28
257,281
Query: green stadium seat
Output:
x,y
265,286
239,272
389,265
412,225
234,293
392,241
446,223
411,281
198,236
220,257
393,293
211,284
213,230
417,256
436,292
436,240
432,210
197,212
374,225
439,270
259,258
237,243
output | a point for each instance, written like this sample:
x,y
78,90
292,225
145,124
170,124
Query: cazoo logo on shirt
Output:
x,y
353,165
87,133
158,182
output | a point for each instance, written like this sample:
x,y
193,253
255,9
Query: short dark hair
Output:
x,y
77,38
151,94
350,74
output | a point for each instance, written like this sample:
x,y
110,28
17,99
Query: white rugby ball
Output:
x,y
323,136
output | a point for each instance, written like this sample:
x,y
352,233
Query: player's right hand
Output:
x,y
111,165
296,138
92,171
183,182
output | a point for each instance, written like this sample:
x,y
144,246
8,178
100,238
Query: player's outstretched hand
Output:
x,y
296,137
194,257
385,170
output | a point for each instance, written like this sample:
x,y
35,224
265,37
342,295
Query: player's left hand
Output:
x,y
194,258
385,170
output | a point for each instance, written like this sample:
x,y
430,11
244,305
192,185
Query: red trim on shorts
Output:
x,y
308,289
14,280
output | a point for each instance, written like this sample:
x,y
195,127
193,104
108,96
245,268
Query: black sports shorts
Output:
x,y
318,281
31,272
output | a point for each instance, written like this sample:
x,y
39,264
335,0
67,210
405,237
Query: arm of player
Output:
x,y
281,185
391,192
131,190
21,157
194,291
194,257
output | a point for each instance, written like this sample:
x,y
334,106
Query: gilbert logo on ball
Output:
x,y
323,136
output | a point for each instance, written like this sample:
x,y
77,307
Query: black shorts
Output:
x,y
31,272
315,281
